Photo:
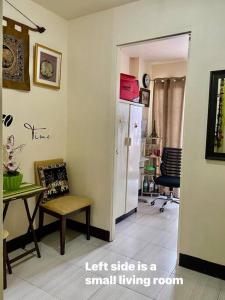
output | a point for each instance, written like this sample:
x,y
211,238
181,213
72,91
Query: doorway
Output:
x,y
141,217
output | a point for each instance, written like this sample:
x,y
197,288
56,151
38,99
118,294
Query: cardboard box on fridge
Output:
x,y
129,87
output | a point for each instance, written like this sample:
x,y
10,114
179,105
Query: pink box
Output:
x,y
129,87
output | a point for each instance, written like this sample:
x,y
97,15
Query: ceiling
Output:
x,y
71,9
169,49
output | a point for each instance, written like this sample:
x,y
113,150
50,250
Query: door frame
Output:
x,y
116,82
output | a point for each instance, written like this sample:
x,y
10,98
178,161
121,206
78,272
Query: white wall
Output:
x,y
91,112
40,107
134,67
143,68
93,41
124,63
169,69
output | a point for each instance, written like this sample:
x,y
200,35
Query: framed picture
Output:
x,y
145,96
215,142
47,67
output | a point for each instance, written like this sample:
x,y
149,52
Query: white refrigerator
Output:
x,y
128,148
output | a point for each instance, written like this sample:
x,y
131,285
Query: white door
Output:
x,y
121,159
133,157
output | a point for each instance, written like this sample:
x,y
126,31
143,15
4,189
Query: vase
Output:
x,y
12,182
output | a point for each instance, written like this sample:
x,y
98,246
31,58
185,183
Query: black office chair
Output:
x,y
170,174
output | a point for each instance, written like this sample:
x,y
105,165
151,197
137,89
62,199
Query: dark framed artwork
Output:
x,y
215,142
145,97
47,67
15,60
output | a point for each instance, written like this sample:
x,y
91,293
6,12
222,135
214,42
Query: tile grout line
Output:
x,y
153,243
137,292
91,296
34,285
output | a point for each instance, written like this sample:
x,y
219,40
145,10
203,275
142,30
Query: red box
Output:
x,y
129,87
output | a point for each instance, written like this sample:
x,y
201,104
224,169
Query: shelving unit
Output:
x,y
151,170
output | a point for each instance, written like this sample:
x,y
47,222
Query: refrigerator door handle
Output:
x,y
128,141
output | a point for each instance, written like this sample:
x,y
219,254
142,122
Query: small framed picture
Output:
x,y
47,67
145,97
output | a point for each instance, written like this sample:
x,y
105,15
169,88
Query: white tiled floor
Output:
x,y
147,236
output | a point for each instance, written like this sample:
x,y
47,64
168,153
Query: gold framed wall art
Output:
x,y
47,67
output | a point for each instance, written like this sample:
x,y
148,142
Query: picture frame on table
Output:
x,y
215,140
144,97
47,67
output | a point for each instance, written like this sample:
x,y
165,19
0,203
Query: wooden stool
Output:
x,y
5,259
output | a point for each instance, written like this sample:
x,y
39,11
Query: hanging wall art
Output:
x,y
215,143
15,61
47,67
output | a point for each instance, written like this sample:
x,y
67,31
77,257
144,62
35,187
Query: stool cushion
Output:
x,y
66,204
5,234
168,181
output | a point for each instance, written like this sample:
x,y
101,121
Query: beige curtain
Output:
x,y
168,111
168,105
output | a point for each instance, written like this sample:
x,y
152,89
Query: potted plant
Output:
x,y
12,178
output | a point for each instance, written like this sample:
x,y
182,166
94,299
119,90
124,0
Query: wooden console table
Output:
x,y
26,190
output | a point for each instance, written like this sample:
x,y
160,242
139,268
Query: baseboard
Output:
x,y
202,266
95,231
47,229
121,218
18,242
23,240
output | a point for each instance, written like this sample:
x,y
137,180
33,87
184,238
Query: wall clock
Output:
x,y
146,80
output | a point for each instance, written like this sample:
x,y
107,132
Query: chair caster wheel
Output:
x,y
161,209
152,203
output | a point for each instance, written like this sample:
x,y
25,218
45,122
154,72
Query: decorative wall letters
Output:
x,y
35,132
7,120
